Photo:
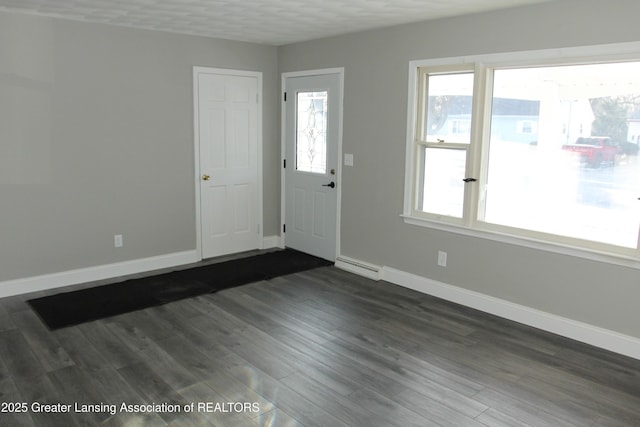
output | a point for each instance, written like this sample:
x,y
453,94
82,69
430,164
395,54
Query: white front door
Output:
x,y
312,109
227,116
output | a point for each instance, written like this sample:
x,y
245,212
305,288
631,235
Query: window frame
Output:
x,y
471,224
419,140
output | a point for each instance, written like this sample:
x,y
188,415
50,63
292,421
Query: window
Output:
x,y
526,126
543,152
311,132
461,126
443,140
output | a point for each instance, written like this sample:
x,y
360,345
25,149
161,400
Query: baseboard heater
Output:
x,y
367,270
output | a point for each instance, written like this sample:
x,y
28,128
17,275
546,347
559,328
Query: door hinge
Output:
x,y
284,228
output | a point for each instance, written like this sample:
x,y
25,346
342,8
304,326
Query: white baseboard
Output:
x,y
90,274
358,267
269,242
579,331
83,275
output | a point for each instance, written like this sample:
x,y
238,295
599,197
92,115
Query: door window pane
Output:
x,y
442,187
563,151
311,132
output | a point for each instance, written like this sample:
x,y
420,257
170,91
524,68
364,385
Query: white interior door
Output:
x,y
312,130
227,141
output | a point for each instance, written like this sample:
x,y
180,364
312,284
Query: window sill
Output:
x,y
528,242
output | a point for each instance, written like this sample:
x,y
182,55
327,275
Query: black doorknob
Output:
x,y
330,185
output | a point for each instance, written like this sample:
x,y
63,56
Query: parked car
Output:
x,y
629,148
595,150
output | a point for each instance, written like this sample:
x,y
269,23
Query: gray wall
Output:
x,y
375,106
96,139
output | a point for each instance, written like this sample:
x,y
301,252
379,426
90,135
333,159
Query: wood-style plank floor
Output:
x,y
319,348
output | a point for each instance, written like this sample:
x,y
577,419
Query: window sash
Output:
x,y
453,185
422,141
424,76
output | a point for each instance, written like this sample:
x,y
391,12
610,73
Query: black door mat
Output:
x,y
73,308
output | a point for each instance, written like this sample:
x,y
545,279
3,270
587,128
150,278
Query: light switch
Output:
x,y
348,159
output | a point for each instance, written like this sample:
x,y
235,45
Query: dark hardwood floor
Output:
x,y
320,348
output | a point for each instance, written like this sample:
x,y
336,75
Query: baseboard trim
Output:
x,y
579,331
270,242
83,275
360,268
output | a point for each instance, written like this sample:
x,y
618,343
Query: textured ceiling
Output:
x,y
274,22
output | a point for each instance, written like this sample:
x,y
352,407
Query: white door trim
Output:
x,y
340,72
196,141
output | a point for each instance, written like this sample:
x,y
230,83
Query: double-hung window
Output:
x,y
442,141
545,152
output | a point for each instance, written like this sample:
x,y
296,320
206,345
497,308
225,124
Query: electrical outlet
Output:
x,y
442,259
117,241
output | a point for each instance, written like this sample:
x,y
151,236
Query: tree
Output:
x,y
611,114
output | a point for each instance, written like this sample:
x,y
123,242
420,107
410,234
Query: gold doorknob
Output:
x,y
206,177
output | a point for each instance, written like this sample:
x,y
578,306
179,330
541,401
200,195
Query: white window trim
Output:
x,y
470,226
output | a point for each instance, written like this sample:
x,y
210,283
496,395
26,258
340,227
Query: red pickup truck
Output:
x,y
595,150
